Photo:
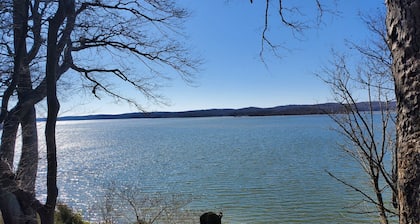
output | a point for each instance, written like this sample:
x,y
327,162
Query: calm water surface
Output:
x,y
254,169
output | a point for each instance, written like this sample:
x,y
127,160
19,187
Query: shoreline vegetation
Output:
x,y
64,214
326,108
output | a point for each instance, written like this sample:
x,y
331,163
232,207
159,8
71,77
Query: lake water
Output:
x,y
254,169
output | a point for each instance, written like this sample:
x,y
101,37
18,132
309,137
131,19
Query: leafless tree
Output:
x,y
131,42
369,136
402,38
127,203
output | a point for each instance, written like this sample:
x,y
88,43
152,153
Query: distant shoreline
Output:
x,y
325,108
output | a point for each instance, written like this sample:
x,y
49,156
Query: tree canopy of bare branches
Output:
x,y
369,136
402,38
104,42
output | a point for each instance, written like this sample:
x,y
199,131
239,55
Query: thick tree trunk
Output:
x,y
403,19
28,164
9,204
12,211
11,123
17,209
8,139
15,204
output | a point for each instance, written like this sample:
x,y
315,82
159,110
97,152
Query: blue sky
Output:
x,y
227,36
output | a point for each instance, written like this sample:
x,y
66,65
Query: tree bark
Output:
x,y
8,139
9,204
28,164
11,123
47,212
403,19
17,206
14,209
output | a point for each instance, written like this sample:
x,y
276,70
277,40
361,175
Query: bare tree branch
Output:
x,y
143,37
287,11
367,135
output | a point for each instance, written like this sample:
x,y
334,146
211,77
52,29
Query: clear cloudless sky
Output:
x,y
227,36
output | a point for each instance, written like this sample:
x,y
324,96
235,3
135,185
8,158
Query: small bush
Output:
x,y
128,204
66,215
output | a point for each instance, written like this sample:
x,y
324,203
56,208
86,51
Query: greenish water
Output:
x,y
254,169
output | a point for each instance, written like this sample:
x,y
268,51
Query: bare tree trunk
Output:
x,y
381,208
14,208
17,206
9,204
28,164
403,19
47,213
11,123
8,139
12,211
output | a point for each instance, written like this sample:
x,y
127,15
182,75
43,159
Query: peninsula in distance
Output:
x,y
326,108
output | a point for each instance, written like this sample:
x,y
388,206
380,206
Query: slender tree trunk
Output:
x,y
381,205
47,213
403,19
